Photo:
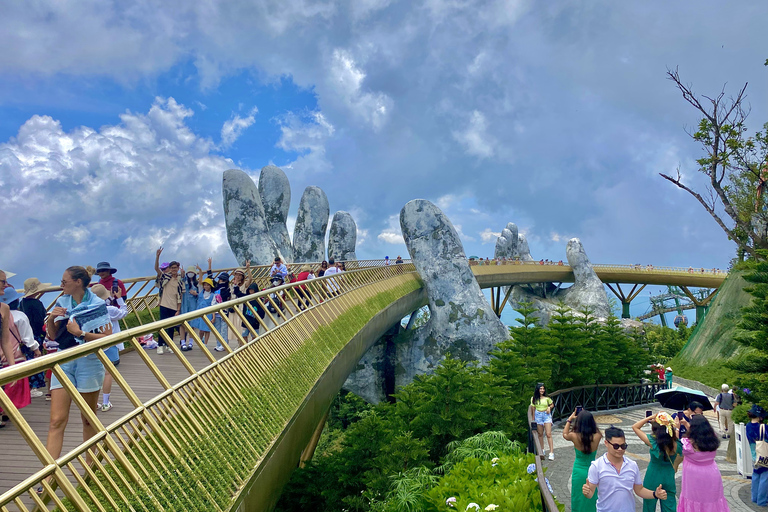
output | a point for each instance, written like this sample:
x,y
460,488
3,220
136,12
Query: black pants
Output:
x,y
166,313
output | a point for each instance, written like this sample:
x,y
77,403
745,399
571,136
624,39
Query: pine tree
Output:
x,y
569,343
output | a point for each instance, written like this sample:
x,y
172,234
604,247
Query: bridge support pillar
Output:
x,y
702,304
701,312
309,451
625,299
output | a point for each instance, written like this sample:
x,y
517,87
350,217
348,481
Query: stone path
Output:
x,y
737,489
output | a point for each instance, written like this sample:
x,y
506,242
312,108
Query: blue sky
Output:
x,y
117,120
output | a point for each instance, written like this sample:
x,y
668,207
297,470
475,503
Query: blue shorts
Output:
x,y
113,353
542,417
86,373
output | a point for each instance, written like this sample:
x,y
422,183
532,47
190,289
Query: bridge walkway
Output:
x,y
142,383
737,489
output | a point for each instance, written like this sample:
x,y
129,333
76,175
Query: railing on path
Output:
x,y
142,292
196,445
602,397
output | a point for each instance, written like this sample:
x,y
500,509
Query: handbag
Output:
x,y
761,450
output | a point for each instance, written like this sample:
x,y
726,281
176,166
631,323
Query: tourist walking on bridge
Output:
x,y
170,289
117,310
702,487
666,453
616,477
543,407
757,431
79,316
585,437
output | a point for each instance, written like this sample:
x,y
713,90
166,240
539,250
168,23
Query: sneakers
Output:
x,y
189,345
105,407
36,393
160,350
551,456
183,345
219,348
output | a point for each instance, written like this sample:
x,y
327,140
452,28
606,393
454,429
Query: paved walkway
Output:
x,y
737,489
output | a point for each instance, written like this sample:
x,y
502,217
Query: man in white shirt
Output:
x,y
616,477
333,268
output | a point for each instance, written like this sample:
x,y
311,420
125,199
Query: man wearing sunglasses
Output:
x,y
615,477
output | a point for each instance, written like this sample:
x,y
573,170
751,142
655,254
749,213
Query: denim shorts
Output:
x,y
86,373
542,417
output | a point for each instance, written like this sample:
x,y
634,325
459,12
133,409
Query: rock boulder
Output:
x,y
342,237
275,193
311,226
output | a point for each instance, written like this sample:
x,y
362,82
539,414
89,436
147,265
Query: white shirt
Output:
x,y
117,313
615,491
25,330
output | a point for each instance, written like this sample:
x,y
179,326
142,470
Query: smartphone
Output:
x,y
648,414
115,288
579,409
680,415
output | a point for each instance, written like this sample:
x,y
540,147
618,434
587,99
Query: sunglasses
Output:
x,y
622,446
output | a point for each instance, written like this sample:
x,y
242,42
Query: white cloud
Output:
x,y
346,79
119,191
488,235
475,138
307,135
232,129
392,234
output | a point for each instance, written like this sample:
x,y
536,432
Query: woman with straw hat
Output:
x,y
205,298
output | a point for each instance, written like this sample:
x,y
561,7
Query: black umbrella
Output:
x,y
679,397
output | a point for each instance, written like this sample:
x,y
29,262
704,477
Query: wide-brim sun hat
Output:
x,y
192,268
10,295
669,369
306,268
100,291
758,411
104,265
33,286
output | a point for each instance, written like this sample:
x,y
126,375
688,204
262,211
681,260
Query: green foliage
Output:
x,y
664,343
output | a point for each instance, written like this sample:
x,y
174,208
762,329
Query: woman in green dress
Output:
x,y
666,454
582,431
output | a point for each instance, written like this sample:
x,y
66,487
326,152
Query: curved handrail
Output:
x,y
548,502
157,430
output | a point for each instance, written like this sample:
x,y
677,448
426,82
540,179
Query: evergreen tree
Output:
x,y
572,361
754,334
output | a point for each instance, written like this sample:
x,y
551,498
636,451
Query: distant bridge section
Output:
x,y
496,274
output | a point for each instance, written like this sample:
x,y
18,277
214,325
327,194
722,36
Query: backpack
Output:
x,y
761,449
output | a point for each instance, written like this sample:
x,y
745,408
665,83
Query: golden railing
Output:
x,y
142,293
598,267
196,445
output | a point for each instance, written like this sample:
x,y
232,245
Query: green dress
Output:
x,y
579,502
661,471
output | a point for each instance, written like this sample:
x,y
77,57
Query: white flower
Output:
x,y
473,505
494,460
491,507
450,501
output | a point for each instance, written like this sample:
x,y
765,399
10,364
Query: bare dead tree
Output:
x,y
721,133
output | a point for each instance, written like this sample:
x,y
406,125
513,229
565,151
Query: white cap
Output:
x,y
725,387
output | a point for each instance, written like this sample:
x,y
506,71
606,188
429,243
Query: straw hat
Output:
x,y
100,291
33,285
306,268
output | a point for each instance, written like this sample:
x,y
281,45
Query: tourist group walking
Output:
x,y
686,440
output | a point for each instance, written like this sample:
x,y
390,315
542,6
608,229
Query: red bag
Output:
x,y
19,393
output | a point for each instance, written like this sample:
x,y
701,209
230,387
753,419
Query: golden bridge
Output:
x,y
205,430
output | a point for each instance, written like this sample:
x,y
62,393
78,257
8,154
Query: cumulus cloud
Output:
x,y
347,79
306,134
392,234
475,137
115,193
488,235
234,127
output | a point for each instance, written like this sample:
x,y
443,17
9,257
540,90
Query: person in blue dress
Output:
x,y
188,299
759,475
205,298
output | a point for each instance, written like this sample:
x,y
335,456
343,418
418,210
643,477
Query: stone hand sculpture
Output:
x,y
461,321
247,229
311,225
342,237
587,290
275,193
511,245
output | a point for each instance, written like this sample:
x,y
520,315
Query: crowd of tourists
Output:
x,y
87,311
609,483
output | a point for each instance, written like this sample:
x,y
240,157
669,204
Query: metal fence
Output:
x,y
142,292
160,455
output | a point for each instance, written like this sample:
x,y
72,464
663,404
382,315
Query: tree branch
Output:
x,y
710,209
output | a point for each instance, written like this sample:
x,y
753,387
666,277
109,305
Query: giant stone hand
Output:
x,y
275,193
587,290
